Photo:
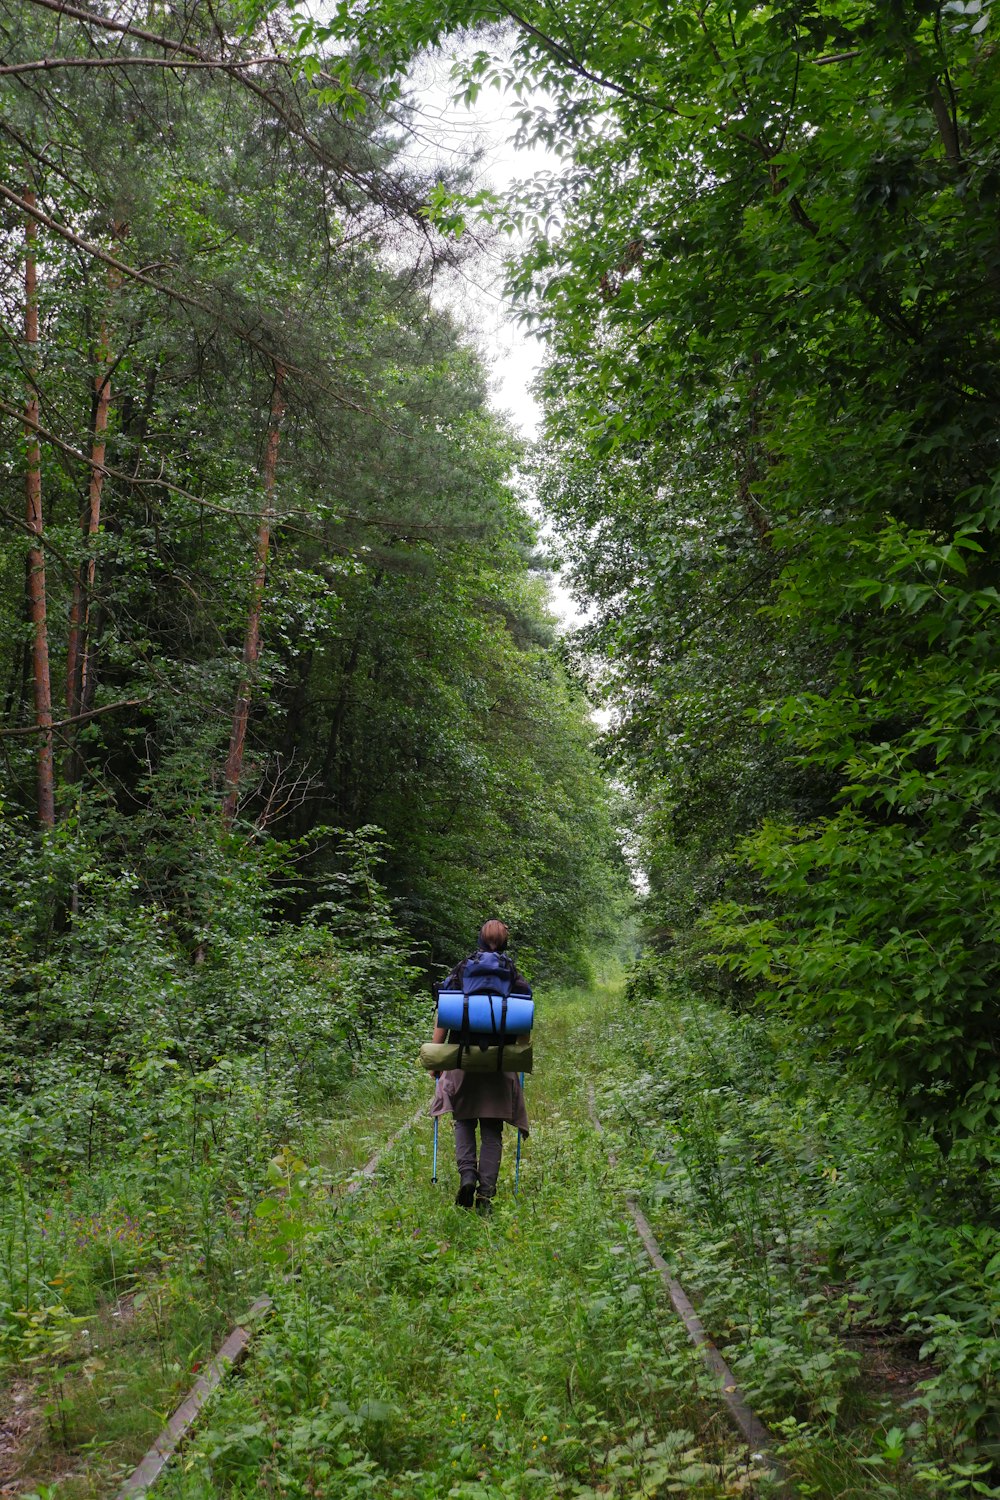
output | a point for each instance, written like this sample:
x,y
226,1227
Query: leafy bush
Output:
x,y
148,1085
808,1224
881,941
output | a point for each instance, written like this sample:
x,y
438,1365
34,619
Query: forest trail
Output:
x,y
425,1352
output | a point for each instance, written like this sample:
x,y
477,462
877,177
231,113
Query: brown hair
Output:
x,y
493,936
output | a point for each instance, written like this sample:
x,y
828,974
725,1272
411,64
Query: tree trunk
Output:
x,y
251,643
33,516
76,655
79,655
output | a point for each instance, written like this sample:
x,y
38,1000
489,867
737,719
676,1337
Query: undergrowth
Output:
x,y
852,1287
417,1350
420,1351
130,1300
145,1095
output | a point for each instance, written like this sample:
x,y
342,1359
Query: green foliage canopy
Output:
x,y
206,235
769,278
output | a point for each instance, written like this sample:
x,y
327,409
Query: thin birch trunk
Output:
x,y
33,515
251,643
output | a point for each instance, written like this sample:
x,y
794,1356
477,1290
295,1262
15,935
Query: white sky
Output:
x,y
513,355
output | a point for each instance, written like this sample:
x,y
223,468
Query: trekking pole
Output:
x,y
434,1169
517,1159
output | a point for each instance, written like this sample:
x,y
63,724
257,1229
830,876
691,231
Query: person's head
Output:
x,y
493,936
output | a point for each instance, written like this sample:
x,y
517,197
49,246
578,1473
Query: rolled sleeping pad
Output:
x,y
486,1013
437,1057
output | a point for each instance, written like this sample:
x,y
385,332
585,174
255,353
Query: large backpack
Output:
x,y
486,1013
488,974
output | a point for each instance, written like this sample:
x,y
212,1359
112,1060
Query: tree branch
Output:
x,y
91,713
48,64
43,540
267,96
564,55
836,57
124,28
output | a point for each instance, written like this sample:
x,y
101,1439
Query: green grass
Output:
x,y
421,1351
120,1285
418,1352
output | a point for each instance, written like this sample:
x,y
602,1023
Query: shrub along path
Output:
x,y
421,1351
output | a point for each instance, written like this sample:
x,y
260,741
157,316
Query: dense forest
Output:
x,y
273,612
286,713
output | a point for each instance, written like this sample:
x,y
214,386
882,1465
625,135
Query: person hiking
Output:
x,y
483,1099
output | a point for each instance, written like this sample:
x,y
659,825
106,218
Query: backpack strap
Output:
x,y
463,1031
500,1032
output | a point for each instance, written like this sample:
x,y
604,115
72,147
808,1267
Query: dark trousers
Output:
x,y
486,1171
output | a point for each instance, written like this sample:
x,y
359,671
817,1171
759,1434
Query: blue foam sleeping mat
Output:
x,y
487,1015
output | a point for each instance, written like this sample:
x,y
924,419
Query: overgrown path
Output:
x,y
421,1351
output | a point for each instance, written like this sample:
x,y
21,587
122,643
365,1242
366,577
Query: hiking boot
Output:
x,y
484,1207
466,1194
